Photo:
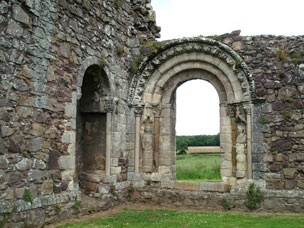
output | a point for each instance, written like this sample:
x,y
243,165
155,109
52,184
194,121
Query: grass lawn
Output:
x,y
198,167
166,218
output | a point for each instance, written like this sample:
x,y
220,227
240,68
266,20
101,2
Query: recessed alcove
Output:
x,y
93,129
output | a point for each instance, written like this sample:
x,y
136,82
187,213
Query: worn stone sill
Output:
x,y
212,186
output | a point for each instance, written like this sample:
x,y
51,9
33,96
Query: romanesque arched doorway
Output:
x,y
152,95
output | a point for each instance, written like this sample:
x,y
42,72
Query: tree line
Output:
x,y
183,142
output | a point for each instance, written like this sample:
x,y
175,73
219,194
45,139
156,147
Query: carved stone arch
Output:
x,y
191,50
180,78
152,89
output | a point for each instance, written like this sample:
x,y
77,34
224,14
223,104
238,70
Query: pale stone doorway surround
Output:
x,y
152,96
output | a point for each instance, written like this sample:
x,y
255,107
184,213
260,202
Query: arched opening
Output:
x,y
152,93
197,132
92,128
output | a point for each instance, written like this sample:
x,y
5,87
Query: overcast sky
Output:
x,y
197,104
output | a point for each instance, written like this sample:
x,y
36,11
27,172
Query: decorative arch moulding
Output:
x,y
221,52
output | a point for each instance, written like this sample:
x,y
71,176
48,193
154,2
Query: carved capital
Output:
x,y
138,110
240,114
108,105
231,110
247,110
156,110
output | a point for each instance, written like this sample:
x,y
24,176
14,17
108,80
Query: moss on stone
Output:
x,y
134,65
118,3
120,50
287,115
264,120
57,209
151,47
102,63
297,58
282,55
27,196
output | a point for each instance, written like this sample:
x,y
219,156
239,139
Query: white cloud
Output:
x,y
197,109
186,18
180,18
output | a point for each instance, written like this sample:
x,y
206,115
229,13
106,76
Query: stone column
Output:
x,y
249,145
109,107
138,112
232,112
233,152
157,112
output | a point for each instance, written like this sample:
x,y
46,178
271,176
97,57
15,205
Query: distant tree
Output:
x,y
197,140
182,147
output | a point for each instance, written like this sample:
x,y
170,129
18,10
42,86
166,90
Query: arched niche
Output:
x,y
94,108
152,95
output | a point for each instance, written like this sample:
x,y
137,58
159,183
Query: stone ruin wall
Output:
x,y
46,48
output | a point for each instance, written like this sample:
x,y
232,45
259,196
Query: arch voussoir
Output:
x,y
191,50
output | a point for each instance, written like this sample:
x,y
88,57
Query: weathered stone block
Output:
x,y
260,167
241,166
38,164
47,187
35,144
226,164
240,174
155,177
4,162
138,184
241,157
290,184
300,156
24,164
69,137
104,189
65,50
115,170
53,160
268,158
70,110
110,179
6,131
71,149
14,178
213,187
37,129
164,170
270,176
114,161
134,176
167,183
280,157
289,173
36,175
300,184
14,29
66,162
68,175
122,185
226,172
187,185
91,187
240,148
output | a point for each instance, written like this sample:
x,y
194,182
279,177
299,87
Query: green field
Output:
x,y
198,167
172,219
